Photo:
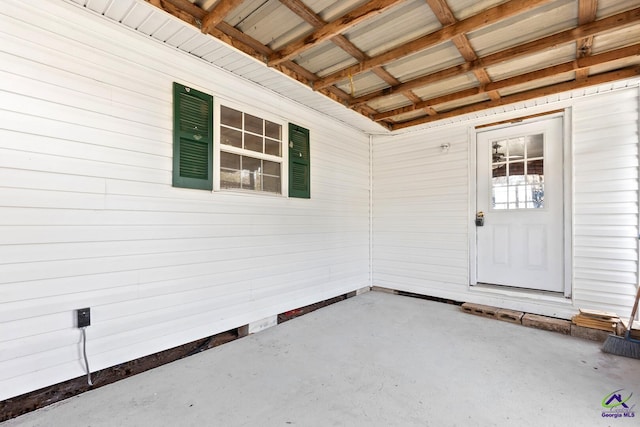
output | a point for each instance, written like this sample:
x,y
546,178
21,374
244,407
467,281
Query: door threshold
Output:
x,y
512,291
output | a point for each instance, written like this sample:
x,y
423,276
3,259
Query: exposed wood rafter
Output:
x,y
598,79
587,11
558,76
556,70
446,17
309,16
218,13
475,22
192,14
342,24
569,36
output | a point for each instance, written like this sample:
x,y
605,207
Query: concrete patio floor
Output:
x,y
373,360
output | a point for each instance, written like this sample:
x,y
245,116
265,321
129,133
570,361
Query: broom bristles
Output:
x,y
622,346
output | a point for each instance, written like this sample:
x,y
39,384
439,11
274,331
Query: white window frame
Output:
x,y
218,148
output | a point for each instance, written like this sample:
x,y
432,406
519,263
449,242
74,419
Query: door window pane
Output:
x,y
517,178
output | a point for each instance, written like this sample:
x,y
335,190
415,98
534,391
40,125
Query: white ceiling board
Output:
x,y
137,15
117,10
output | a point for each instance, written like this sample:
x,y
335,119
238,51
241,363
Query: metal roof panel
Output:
x,y
532,25
405,22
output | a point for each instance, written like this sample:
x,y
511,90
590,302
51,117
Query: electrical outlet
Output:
x,y
84,317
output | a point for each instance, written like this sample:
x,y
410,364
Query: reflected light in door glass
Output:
x,y
517,178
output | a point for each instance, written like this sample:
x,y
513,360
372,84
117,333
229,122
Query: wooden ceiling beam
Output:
x,y
192,14
217,14
446,17
309,16
340,25
183,5
568,36
587,11
443,12
567,67
178,8
475,22
598,79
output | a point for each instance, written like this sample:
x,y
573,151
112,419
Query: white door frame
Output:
x,y
567,163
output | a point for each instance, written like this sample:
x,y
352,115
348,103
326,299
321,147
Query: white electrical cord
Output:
x,y
84,352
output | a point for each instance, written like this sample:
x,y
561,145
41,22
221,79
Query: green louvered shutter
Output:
x,y
192,138
299,165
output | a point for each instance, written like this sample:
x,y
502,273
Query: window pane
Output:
x,y
229,161
253,143
499,197
516,179
251,170
231,117
499,170
272,147
499,151
230,137
273,130
535,168
520,196
535,196
253,124
516,149
271,184
535,146
518,183
229,170
271,168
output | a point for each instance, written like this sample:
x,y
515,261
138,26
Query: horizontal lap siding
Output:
x,y
421,206
420,202
88,216
606,201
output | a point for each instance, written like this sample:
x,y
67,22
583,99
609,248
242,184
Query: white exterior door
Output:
x,y
519,227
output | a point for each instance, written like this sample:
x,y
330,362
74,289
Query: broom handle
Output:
x,y
634,310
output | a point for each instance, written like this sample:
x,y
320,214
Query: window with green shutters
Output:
x,y
299,165
192,138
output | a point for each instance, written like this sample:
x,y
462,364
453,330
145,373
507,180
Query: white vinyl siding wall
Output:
x,y
88,216
422,201
606,200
